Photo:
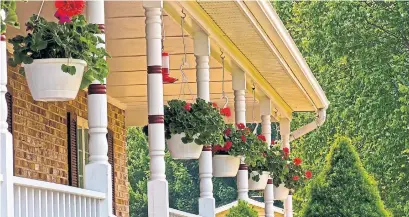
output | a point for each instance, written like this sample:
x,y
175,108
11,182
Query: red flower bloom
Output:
x,y
62,18
225,111
69,7
308,174
215,105
296,178
241,126
227,132
247,131
261,137
217,148
272,142
243,138
227,146
286,152
188,107
297,161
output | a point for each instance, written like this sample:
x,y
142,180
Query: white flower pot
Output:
x,y
47,82
181,151
261,184
225,165
281,192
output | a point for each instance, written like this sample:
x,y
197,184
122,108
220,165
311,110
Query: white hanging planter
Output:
x,y
261,184
225,165
281,192
181,151
47,82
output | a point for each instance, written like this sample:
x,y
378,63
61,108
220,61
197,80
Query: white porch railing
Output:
x,y
178,213
34,198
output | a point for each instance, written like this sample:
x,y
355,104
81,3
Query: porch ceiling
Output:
x,y
125,40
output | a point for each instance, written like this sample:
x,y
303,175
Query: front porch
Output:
x,y
239,50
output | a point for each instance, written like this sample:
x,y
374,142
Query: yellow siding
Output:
x,y
258,209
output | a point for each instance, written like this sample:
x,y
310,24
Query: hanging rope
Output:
x,y
185,80
223,93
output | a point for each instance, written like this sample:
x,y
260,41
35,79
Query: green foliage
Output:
x,y
9,17
183,187
359,53
273,161
240,141
200,121
243,209
343,188
76,40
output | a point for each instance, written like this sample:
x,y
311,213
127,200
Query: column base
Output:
x,y
269,200
6,171
158,198
98,177
207,207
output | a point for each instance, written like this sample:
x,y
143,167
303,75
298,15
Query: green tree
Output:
x,y
343,188
243,209
360,55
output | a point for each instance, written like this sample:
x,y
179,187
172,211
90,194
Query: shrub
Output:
x,y
343,188
243,209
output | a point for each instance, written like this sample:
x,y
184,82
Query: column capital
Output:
x,y
238,78
201,43
265,105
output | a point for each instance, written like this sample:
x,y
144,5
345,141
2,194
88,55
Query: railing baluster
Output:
x,y
63,205
46,203
19,200
69,205
33,202
52,204
39,203
26,197
75,206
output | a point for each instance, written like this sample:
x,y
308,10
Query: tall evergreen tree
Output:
x,y
343,188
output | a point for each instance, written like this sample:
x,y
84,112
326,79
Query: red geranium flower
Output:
x,y
227,132
217,148
188,107
261,137
308,174
227,146
297,161
286,151
215,105
62,18
241,126
296,178
225,111
243,138
272,142
69,8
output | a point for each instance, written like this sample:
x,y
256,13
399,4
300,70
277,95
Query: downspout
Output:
x,y
319,120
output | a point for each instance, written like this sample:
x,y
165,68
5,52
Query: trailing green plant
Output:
x,y
243,209
9,16
74,40
201,122
273,162
240,141
343,188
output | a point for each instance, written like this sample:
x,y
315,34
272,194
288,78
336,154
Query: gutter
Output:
x,y
319,121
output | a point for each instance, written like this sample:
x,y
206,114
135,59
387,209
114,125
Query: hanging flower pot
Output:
x,y
225,165
183,151
47,82
58,59
189,126
262,180
281,192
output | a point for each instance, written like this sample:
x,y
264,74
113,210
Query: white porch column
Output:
x,y
158,196
265,110
98,171
6,141
285,137
239,87
207,204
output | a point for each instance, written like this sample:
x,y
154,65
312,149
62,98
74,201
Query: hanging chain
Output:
x,y
254,103
163,32
185,80
39,11
223,93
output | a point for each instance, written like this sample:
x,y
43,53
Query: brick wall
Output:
x,y
40,138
